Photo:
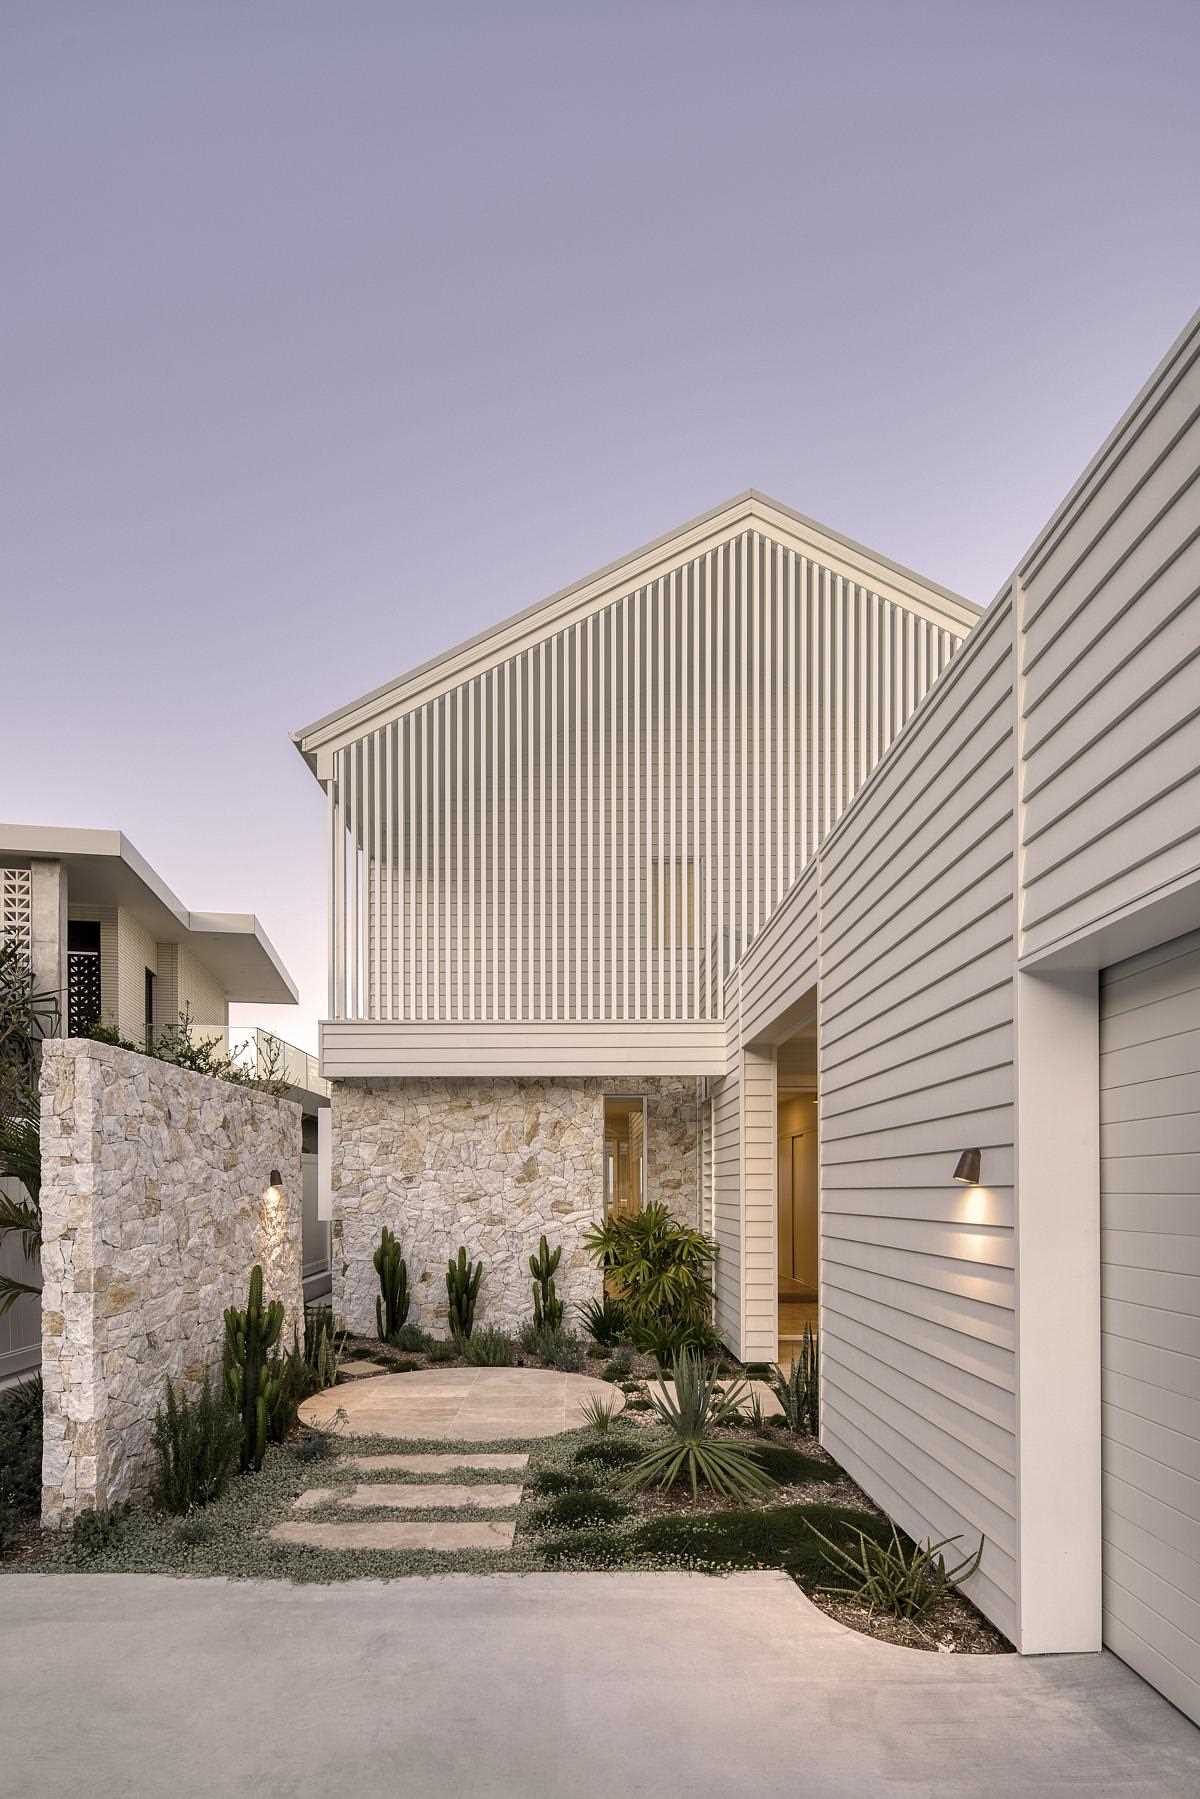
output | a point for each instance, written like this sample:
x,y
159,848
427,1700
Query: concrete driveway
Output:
x,y
573,1684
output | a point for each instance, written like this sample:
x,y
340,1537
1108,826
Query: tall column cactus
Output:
x,y
462,1290
391,1306
252,1377
547,1306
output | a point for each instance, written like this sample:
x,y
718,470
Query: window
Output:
x,y
151,1006
83,976
624,1155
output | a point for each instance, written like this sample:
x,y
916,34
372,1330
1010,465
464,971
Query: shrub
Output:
x,y
572,1510
605,1320
322,1351
462,1290
20,1456
444,1351
620,1367
767,1537
412,1338
690,1415
547,1306
664,1339
614,1453
94,1532
900,1577
489,1349
799,1392
392,1302
291,1380
558,1348
196,1442
790,1468
662,1269
314,1446
562,1480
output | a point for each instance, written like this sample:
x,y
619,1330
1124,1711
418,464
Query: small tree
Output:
x,y
28,1014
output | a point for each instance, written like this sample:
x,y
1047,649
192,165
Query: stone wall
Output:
x,y
489,1164
154,1210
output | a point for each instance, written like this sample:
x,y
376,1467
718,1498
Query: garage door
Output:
x,y
1150,1317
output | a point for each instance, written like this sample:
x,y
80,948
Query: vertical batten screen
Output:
x,y
599,826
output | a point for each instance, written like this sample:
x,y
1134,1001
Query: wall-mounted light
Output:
x,y
274,1188
967,1170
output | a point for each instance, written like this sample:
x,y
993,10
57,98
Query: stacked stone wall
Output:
x,y
155,1207
489,1164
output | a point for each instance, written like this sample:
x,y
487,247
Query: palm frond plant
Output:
x,y
691,1415
660,1269
906,1580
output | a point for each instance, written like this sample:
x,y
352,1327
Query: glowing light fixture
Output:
x,y
274,1189
967,1170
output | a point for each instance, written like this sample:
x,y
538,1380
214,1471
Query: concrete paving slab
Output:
x,y
399,1534
432,1463
415,1496
476,1405
653,1685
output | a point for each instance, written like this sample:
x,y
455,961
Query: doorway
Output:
x,y
798,1249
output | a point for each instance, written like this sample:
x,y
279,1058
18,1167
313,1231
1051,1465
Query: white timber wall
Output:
x,y
1110,642
597,826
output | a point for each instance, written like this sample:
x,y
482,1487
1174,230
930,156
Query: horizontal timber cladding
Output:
x,y
596,826
907,924
357,1050
916,1064
1110,656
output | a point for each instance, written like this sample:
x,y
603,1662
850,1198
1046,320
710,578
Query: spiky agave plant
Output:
x,y
691,1415
905,1579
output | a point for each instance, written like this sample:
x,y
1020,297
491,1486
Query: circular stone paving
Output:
x,y
471,1405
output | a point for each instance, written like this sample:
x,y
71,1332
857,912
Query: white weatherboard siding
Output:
x,y
594,826
916,1064
727,1183
1150,1269
356,1051
1110,672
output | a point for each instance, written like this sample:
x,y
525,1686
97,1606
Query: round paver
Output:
x,y
469,1405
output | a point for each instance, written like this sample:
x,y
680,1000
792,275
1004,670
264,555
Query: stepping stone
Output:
x,y
394,1534
429,1464
416,1498
358,1366
308,1502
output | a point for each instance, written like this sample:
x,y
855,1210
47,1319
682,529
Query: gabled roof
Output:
x,y
749,510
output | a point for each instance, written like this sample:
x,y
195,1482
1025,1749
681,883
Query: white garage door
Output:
x,y
1150,1213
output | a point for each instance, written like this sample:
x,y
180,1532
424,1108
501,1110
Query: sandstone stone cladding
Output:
x,y
155,1207
491,1164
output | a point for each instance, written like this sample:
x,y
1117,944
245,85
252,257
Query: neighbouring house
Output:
x,y
105,933
759,875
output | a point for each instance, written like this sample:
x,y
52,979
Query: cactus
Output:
x,y
462,1290
391,1307
252,1377
547,1306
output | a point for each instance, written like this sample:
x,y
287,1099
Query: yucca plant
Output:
x,y
691,1416
598,1414
660,1269
906,1580
799,1390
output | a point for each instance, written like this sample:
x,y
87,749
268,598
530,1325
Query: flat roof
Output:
x,y
104,868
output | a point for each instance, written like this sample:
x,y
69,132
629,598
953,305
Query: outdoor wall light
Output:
x,y
273,1189
967,1170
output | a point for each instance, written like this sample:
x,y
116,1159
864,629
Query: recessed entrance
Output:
x,y
624,1155
798,1248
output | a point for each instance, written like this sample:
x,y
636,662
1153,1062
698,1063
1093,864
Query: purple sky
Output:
x,y
331,334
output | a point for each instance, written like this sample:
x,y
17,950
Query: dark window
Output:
x,y
151,983
83,976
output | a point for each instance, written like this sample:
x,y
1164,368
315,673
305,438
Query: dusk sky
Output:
x,y
333,334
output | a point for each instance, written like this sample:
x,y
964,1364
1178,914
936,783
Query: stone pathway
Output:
x,y
445,1535
473,1405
